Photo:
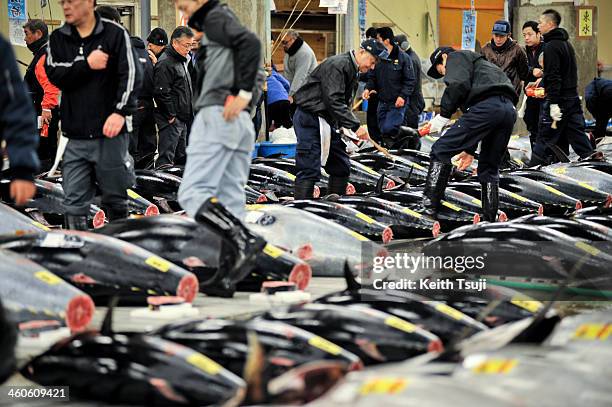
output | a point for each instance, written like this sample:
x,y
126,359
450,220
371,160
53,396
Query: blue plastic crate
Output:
x,y
255,150
267,149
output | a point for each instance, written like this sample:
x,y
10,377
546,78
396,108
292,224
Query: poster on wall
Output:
x,y
341,8
17,17
468,30
363,12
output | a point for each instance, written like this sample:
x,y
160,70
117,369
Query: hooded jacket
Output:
x,y
90,96
469,79
560,69
511,58
145,92
278,87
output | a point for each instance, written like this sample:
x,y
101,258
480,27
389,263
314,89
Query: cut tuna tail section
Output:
x,y
351,282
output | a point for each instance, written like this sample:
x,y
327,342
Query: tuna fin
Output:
x,y
107,324
253,370
351,282
561,156
380,184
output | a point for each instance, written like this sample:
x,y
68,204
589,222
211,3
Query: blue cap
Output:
x,y
501,27
375,48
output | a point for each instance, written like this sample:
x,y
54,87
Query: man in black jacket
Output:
x,y
173,95
561,115
324,107
416,102
157,41
394,81
143,138
487,97
17,127
91,60
372,113
598,97
534,47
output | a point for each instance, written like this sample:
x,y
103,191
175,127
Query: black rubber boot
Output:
x,y
337,185
76,222
8,340
490,201
536,160
239,248
435,185
117,212
304,189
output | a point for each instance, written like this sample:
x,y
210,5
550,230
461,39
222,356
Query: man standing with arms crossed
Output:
x,y
91,61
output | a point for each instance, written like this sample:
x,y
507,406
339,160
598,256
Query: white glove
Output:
x,y
521,112
555,113
437,124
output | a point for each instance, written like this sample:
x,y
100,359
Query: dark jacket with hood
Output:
x,y
533,56
173,91
90,96
560,69
145,92
17,119
330,89
469,79
598,96
511,58
393,77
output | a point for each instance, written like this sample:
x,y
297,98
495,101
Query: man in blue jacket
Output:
x,y
394,81
279,107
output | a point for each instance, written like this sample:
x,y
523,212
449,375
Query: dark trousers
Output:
x,y
372,118
489,122
103,160
569,129
601,121
47,146
411,117
532,118
279,113
143,140
172,143
308,149
390,118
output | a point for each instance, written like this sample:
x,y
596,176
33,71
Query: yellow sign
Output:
x,y
48,277
364,217
450,311
358,236
593,332
400,324
585,22
272,251
495,366
158,263
529,305
325,345
133,194
412,213
204,364
383,385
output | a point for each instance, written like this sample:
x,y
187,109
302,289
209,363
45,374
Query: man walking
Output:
x,y
222,135
45,96
323,107
173,95
299,61
91,61
157,41
416,102
486,97
394,81
534,47
561,117
504,52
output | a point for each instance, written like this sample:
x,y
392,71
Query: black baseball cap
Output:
x,y
501,27
402,41
158,37
436,58
375,48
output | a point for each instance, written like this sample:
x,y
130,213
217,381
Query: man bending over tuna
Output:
x,y
486,96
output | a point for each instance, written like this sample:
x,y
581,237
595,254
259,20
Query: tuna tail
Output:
x,y
352,284
561,156
253,370
380,184
107,324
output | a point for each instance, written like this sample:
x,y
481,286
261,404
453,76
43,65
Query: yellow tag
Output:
x,y
254,207
529,305
477,202
158,263
325,345
400,324
133,194
496,366
204,364
519,161
364,217
553,190
272,251
214,200
290,176
451,206
585,247
47,277
40,226
412,213
368,169
383,385
418,166
358,236
587,186
518,197
560,170
450,311
593,332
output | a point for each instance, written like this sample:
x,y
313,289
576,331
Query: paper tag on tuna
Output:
x,y
417,166
48,277
325,345
383,385
412,213
451,206
133,194
253,216
450,311
158,263
203,363
518,197
529,305
400,324
358,236
272,251
57,240
495,366
593,332
364,217
40,226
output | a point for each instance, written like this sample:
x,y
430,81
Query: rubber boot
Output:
x,y
536,160
337,185
490,201
8,340
117,213
304,189
239,248
435,185
76,222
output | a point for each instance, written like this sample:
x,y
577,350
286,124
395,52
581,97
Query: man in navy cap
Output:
x,y
324,106
486,96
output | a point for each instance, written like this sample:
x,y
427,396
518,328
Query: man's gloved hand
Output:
x,y
437,124
555,113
